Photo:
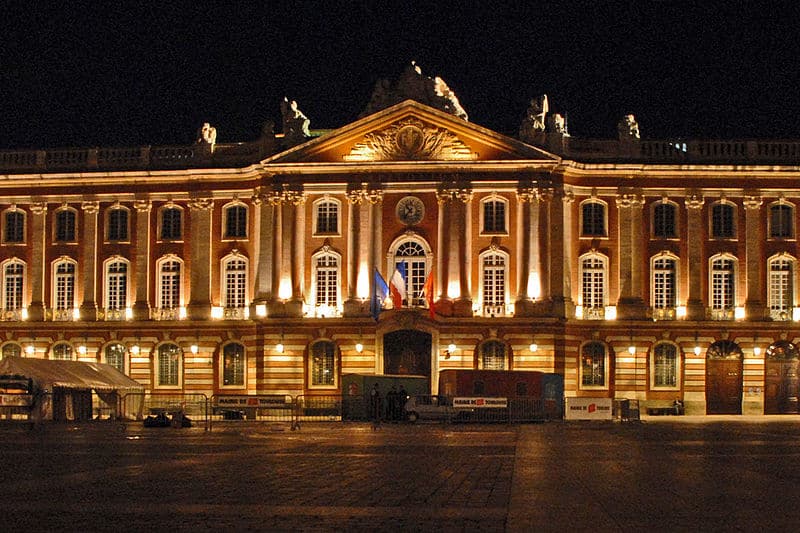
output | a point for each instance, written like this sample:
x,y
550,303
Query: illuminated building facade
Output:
x,y
655,270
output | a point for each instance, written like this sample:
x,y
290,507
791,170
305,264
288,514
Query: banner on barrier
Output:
x,y
480,402
16,400
589,409
275,401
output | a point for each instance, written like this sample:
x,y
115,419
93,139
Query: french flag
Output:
x,y
397,285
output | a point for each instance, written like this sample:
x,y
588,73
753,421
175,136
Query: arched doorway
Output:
x,y
724,378
781,382
407,351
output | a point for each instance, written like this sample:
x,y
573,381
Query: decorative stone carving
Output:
x,y
410,140
201,204
628,128
630,200
142,206
413,85
752,202
295,123
90,207
694,201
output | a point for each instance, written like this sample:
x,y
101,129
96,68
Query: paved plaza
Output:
x,y
663,474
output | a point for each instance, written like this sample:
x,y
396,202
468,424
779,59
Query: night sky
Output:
x,y
125,73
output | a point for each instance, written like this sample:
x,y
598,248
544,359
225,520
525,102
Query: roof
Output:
x,y
48,374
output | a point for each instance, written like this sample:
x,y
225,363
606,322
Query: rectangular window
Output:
x,y
327,281
494,216
593,365
235,283
233,365
722,284
171,224
664,221
494,282
14,231
664,284
12,296
65,226
236,222
65,286
594,219
170,285
118,225
327,218
780,221
722,221
665,373
780,289
117,286
322,364
168,363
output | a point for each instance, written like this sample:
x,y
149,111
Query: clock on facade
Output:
x,y
410,210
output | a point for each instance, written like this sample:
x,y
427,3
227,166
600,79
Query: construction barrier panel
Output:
x,y
255,407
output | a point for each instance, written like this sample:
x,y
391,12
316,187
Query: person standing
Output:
x,y
375,406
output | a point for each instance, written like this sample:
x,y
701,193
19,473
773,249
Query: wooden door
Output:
x,y
724,386
781,386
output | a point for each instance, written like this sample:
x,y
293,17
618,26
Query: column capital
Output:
x,y
142,206
566,195
527,194
201,204
90,207
752,203
627,200
694,201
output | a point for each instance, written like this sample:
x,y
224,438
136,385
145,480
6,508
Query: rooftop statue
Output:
x,y
534,122
628,128
557,123
413,85
207,134
295,123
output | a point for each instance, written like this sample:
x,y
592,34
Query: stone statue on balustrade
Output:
x,y
533,125
295,123
628,129
207,135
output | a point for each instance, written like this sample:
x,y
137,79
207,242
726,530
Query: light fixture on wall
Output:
x,y
359,344
194,348
29,349
756,348
279,347
533,347
696,345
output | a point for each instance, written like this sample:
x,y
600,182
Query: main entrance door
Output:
x,y
407,351
781,381
724,379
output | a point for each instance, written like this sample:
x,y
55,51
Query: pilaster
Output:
x,y
88,306
199,307
695,310
141,305
754,306
37,277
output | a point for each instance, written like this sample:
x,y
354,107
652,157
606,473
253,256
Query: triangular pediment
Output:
x,y
410,131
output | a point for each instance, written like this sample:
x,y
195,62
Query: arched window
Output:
x,y
783,350
411,253
493,356
724,349
325,276
168,359
322,364
116,284
723,220
13,288
117,224
233,365
494,216
494,280
722,287
235,222
14,226
593,219
594,273
61,351
115,356
781,286
664,285
593,365
65,225
168,287
64,289
781,221
326,217
234,289
11,349
664,220
665,366
171,224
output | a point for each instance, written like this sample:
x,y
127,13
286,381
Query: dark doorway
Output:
x,y
407,351
781,382
724,379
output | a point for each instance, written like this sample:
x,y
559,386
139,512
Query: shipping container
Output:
x,y
356,390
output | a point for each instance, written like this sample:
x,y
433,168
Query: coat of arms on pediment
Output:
x,y
410,140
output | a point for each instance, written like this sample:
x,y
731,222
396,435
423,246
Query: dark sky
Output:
x,y
124,73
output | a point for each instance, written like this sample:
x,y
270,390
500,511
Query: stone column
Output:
x,y
462,235
695,309
356,198
141,305
199,307
630,304
560,237
443,199
527,259
88,306
37,270
754,307
375,244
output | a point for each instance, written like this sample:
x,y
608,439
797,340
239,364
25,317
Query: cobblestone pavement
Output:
x,y
661,475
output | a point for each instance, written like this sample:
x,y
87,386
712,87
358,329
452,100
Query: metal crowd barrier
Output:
x,y
139,406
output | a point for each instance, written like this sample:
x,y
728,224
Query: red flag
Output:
x,y
427,289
